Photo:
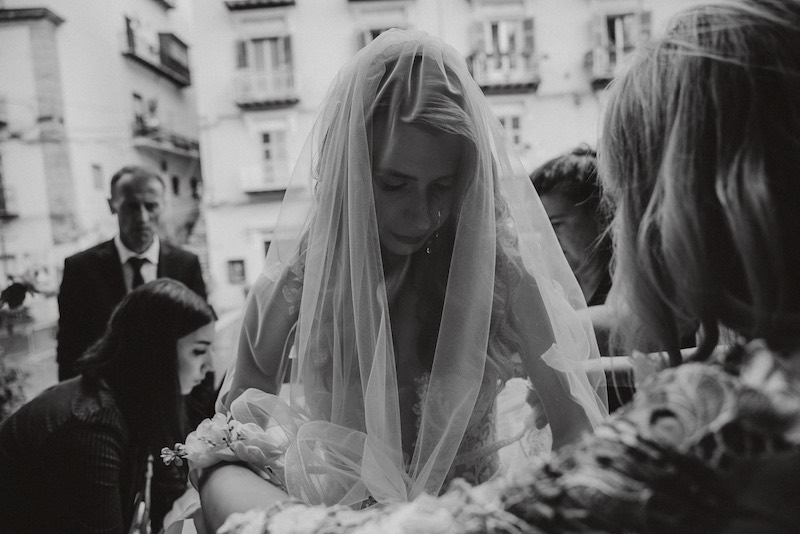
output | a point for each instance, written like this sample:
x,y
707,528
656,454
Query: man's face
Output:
x,y
137,202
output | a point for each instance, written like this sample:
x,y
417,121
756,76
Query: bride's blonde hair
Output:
x,y
701,154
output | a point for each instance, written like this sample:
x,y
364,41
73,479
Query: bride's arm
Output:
x,y
568,419
262,351
228,488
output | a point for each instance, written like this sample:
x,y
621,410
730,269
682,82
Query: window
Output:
x,y
97,177
504,37
265,68
273,153
367,36
194,184
511,123
174,53
265,54
503,52
621,32
236,272
139,112
176,186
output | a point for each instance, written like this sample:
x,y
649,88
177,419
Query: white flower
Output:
x,y
298,519
252,522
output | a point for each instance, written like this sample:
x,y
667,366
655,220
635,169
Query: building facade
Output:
x,y
87,86
262,68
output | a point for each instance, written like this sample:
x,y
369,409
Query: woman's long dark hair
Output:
x,y
138,359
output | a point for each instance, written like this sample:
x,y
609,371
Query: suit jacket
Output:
x,y
93,285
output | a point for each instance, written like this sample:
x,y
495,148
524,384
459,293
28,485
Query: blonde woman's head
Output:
x,y
701,155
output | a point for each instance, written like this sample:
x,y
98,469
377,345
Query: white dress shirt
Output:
x,y
149,268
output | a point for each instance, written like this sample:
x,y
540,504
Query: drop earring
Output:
x,y
429,244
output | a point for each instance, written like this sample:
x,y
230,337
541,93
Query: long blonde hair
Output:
x,y
701,154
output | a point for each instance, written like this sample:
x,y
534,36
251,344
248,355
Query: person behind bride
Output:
x,y
420,277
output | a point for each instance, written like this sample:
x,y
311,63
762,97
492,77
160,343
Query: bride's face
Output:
x,y
415,179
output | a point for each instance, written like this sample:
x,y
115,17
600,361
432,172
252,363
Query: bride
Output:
x,y
413,275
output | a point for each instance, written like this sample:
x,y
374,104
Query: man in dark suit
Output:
x,y
97,279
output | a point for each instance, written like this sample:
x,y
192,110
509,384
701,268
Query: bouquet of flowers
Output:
x,y
463,509
257,431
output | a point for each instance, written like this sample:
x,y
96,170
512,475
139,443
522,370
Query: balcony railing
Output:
x,y
162,53
264,178
517,72
604,63
148,135
240,5
257,89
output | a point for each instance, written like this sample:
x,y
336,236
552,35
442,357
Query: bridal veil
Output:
x,y
325,297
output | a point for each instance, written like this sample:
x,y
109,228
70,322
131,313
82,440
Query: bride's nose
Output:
x,y
422,213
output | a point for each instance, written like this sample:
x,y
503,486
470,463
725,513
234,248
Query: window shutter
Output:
x,y
528,36
287,50
241,54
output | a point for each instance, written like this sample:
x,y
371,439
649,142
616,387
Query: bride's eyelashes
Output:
x,y
397,183
391,185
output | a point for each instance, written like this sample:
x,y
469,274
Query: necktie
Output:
x,y
136,265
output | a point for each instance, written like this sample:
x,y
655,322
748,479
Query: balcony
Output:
x,y
264,178
8,203
604,63
241,5
505,73
259,90
162,53
148,135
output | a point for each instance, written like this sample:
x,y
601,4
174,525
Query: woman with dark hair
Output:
x,y
74,458
569,188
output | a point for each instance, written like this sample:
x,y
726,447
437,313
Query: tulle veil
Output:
x,y
324,296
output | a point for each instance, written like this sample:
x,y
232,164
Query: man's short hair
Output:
x,y
138,172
